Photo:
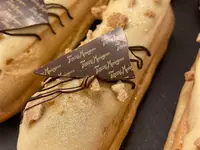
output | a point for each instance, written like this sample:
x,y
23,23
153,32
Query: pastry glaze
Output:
x,y
81,120
20,56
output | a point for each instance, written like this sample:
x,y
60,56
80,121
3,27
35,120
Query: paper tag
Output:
x,y
106,57
16,14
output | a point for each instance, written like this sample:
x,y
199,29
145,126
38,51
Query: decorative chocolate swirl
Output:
x,y
48,6
50,91
57,92
138,61
28,34
22,34
57,17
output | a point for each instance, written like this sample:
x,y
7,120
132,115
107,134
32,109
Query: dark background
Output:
x,y
150,128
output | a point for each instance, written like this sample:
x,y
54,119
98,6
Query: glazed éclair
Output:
x,y
99,115
24,50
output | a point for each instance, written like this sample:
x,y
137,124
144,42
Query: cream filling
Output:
x,y
194,117
12,46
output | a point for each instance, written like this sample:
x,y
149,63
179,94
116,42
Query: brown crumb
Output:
x,y
198,38
150,14
68,50
97,12
120,91
197,143
88,39
89,34
107,29
157,1
33,114
94,88
117,20
131,3
189,76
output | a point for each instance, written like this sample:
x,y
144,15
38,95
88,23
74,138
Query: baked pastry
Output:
x,y
184,132
98,117
24,50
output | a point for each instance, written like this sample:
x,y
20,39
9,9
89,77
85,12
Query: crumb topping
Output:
x,y
117,20
131,3
157,1
150,14
89,34
97,12
94,88
120,91
89,37
189,76
68,50
34,114
197,143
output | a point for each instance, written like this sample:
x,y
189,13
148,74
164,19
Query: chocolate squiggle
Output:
x,y
49,6
57,17
59,6
50,91
138,61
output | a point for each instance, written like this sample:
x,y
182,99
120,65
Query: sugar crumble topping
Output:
x,y
131,3
117,20
97,12
120,91
150,14
34,114
189,76
94,88
197,143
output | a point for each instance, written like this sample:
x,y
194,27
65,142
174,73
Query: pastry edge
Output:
x,y
132,107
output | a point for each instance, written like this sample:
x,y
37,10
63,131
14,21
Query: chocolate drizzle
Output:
x,y
48,6
51,88
57,17
138,61
85,83
9,32
58,6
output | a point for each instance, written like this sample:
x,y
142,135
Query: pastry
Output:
x,y
24,50
98,115
184,132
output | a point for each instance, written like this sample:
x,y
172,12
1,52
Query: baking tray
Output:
x,y
150,128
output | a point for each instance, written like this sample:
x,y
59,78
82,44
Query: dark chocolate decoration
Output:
x,y
20,14
17,14
138,60
114,42
58,6
106,57
57,17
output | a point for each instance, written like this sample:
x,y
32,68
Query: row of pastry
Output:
x,y
82,108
